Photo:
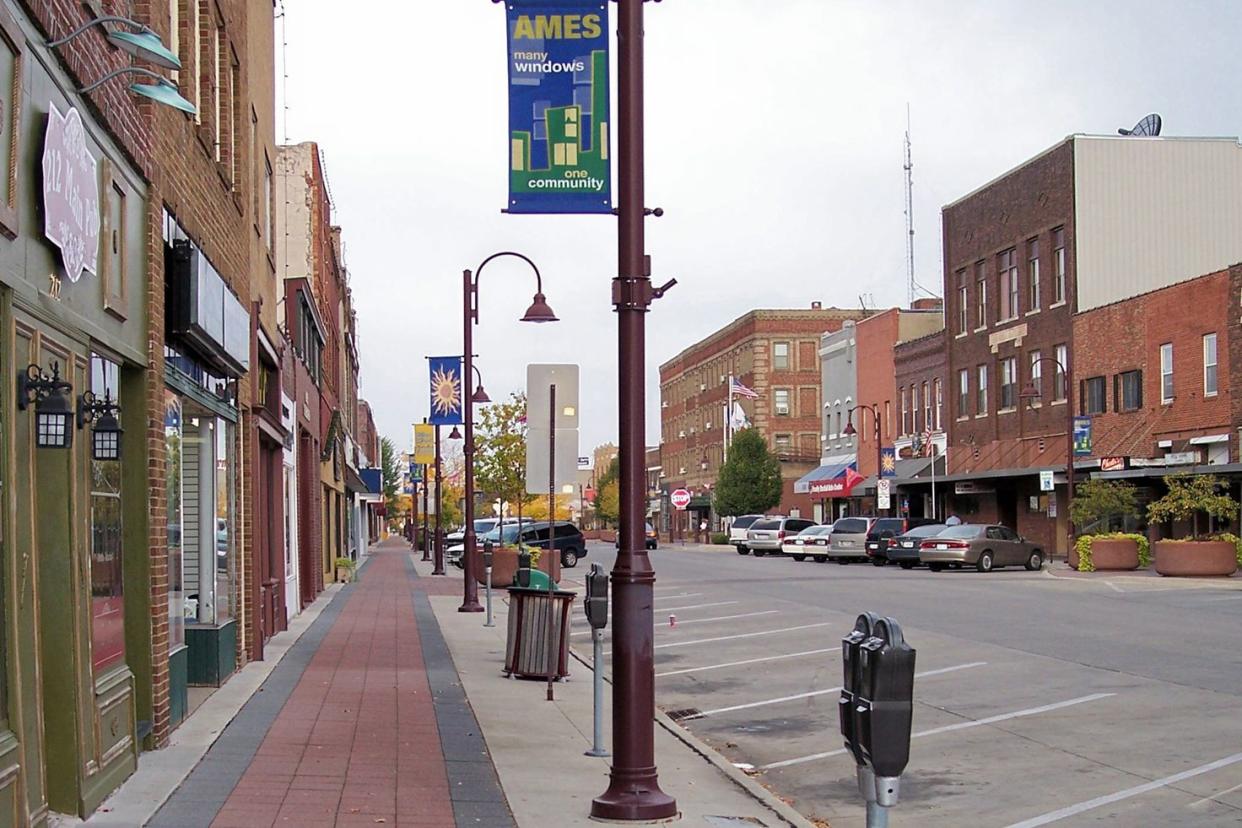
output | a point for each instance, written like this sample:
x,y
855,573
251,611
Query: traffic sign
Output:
x,y
883,491
680,499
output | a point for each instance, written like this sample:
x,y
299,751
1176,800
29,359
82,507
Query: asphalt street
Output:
x,y
1041,697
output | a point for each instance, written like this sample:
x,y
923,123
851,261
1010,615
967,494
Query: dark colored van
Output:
x,y
565,538
884,530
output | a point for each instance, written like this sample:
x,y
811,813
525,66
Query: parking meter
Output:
x,y
487,554
523,571
850,644
596,601
884,707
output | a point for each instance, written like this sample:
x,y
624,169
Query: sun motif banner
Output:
x,y
445,390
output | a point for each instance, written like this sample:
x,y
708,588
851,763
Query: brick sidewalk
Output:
x,y
359,739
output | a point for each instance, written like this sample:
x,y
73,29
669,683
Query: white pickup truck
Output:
x,y
737,532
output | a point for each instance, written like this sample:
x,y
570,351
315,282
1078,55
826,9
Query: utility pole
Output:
x,y
634,789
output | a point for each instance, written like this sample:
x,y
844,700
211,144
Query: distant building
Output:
x,y
775,353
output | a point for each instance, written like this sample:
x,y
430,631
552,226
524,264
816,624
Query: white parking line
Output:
x,y
1215,797
1017,714
739,635
813,693
698,606
698,620
681,595
1099,801
836,650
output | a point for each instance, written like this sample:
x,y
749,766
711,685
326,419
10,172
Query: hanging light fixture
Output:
x,y
106,430
53,409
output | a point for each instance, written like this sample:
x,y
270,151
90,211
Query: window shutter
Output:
x,y
1082,396
1117,390
1138,391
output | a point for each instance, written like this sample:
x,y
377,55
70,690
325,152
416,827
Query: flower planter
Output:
x,y
505,565
1195,558
344,575
1114,554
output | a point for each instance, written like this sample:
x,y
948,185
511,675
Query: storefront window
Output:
x,y
173,479
226,532
107,592
208,504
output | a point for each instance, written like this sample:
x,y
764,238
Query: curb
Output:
x,y
761,794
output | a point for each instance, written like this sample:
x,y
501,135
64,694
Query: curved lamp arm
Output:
x,y
125,70
474,282
96,22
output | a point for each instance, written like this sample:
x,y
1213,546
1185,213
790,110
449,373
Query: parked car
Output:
x,y
807,543
904,549
481,527
884,530
981,545
506,535
848,541
566,541
651,537
738,529
767,536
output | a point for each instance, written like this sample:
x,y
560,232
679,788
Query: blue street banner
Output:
x,y
559,125
416,471
445,390
888,462
1082,436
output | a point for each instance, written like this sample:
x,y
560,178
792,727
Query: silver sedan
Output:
x,y
983,546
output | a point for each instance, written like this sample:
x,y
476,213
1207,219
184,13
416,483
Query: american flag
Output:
x,y
928,448
740,390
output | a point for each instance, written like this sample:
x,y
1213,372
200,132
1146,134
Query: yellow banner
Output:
x,y
424,444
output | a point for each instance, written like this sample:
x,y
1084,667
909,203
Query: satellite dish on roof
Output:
x,y
1149,127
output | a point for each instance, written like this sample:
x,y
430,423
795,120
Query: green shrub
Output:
x,y
1235,540
1083,546
345,563
1188,496
720,538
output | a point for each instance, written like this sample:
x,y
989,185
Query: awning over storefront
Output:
x,y
353,483
835,478
911,470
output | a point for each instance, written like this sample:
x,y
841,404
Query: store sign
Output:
x,y
836,486
70,193
1181,458
967,487
1082,436
559,144
1046,482
1108,464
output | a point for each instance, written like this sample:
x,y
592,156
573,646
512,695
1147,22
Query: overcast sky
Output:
x,y
774,144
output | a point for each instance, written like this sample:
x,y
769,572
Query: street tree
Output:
x,y
750,480
390,464
500,451
608,493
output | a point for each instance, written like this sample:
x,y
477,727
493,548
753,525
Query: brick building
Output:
x,y
1091,221
773,352
919,366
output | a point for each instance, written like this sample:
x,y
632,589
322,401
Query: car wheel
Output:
x,y
935,567
843,561
878,562
984,564
821,559
569,558
799,558
759,553
742,550
1036,561
907,565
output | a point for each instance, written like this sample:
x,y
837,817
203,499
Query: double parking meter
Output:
x,y
877,705
488,555
596,601
523,570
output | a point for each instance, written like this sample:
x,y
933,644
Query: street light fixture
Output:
x,y
539,311
1030,394
850,431
142,43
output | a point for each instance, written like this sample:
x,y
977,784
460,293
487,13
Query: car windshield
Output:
x,y
745,521
850,525
510,534
929,530
485,525
964,531
767,524
888,525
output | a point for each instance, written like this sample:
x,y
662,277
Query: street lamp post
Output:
x,y
1029,394
537,312
850,431
634,788
438,569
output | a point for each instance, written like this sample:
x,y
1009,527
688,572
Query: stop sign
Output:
x,y
680,498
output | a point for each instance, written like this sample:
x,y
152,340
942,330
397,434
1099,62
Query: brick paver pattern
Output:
x,y
357,741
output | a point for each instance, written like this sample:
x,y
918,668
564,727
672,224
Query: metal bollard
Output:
x,y
487,567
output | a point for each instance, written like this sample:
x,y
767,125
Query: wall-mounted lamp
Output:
x,y
53,410
105,431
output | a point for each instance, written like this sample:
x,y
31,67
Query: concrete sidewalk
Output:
x,y
538,746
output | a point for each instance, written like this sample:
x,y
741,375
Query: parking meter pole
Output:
x,y
489,622
426,513
439,534
554,649
597,664
877,816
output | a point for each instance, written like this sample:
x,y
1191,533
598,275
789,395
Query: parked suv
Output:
x,y
768,535
848,541
884,530
566,539
738,529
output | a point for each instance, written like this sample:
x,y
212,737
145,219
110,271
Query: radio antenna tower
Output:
x,y
911,286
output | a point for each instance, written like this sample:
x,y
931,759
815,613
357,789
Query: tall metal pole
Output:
x,y
879,460
470,588
439,538
426,516
634,789
554,649
414,512
1069,457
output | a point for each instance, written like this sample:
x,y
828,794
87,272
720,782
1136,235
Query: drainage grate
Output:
x,y
685,714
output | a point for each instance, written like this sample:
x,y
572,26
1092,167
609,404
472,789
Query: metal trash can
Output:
x,y
526,647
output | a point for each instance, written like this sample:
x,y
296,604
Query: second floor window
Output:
x,y
1058,380
1009,383
963,311
1128,391
981,392
939,401
780,356
1166,372
927,409
963,392
1009,284
1032,272
1094,398
905,412
1209,365
914,409
981,286
780,401
1058,265
1037,375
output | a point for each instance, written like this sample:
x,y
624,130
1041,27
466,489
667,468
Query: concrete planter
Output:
x,y
1195,558
1114,554
505,566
